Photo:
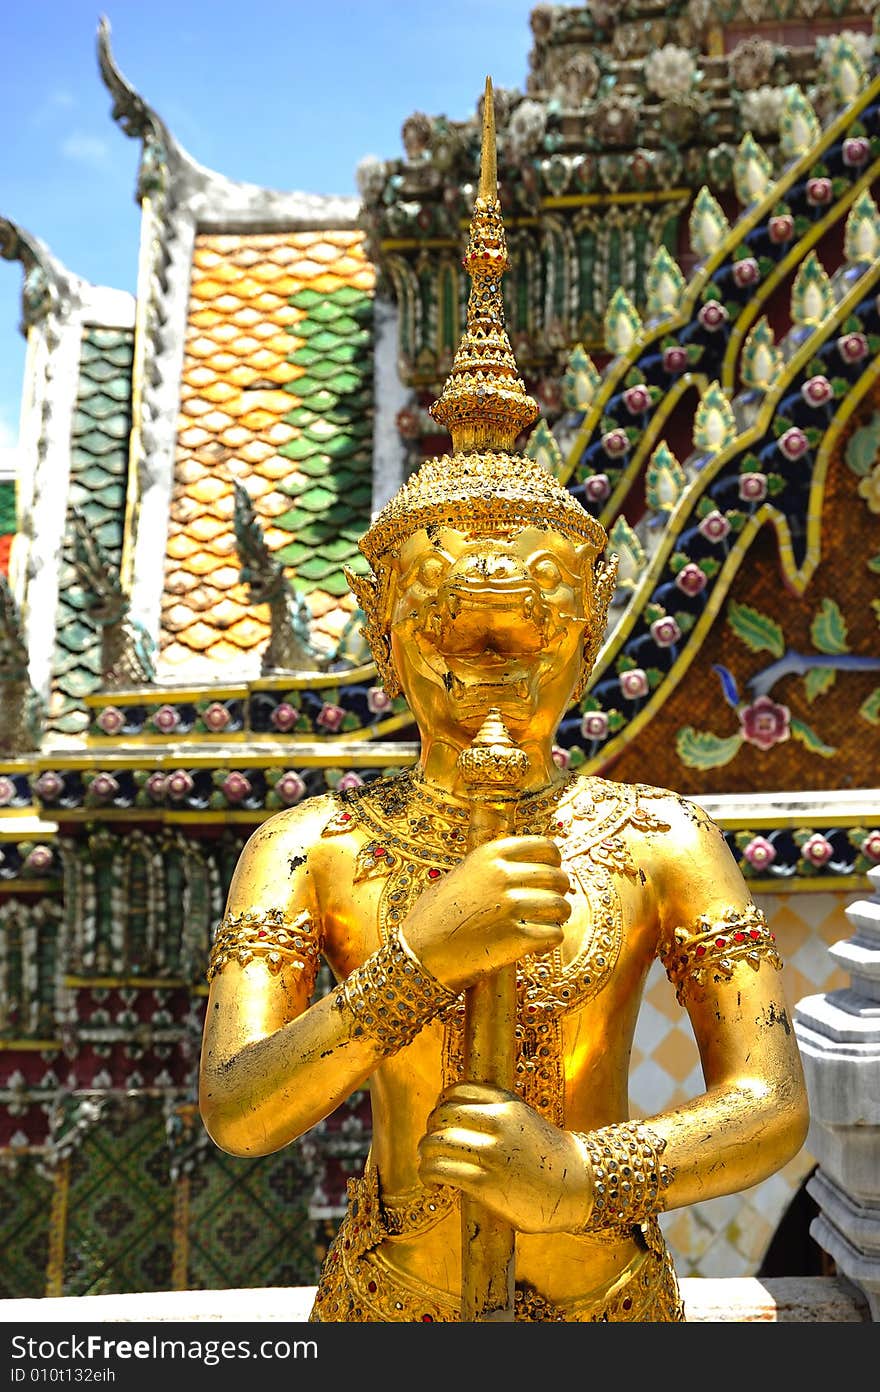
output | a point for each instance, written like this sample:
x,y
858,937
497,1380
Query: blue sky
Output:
x,y
289,94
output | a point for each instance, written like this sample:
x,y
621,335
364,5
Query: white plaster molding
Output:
x,y
56,306
29,432
163,299
853,806
105,307
390,395
838,1034
738,1299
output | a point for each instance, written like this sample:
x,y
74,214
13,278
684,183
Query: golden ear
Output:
x,y
365,589
604,582
605,572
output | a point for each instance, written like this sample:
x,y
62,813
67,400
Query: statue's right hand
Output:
x,y
505,900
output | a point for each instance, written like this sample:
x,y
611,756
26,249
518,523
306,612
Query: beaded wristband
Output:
x,y
628,1176
270,936
392,996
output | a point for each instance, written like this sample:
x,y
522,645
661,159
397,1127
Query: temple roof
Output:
x,y
276,393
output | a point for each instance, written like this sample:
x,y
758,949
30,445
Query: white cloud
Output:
x,y
86,149
55,102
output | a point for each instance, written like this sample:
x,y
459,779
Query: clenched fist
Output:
x,y
505,900
504,1154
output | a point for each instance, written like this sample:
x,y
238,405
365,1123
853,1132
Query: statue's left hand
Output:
x,y
499,1150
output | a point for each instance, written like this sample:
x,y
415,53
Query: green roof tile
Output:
x,y
298,448
304,357
109,386
348,296
333,415
306,299
317,498
316,568
7,507
98,471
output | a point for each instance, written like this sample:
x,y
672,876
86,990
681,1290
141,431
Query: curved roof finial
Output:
x,y
47,283
136,118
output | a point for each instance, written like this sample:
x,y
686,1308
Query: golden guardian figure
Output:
x,y
490,921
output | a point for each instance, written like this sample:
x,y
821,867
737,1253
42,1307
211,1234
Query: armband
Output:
x,y
628,1175
269,936
715,943
392,996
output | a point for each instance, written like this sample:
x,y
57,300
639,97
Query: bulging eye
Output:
x,y
546,572
431,571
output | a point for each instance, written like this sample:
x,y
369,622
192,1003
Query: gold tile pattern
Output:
x,y
238,390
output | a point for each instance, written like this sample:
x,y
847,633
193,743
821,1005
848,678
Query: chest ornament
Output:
x,y
414,834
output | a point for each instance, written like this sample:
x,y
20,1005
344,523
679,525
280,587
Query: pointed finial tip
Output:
x,y
488,168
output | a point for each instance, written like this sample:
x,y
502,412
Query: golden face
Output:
x,y
490,618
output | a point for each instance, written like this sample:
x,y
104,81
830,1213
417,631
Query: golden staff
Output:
x,y
492,769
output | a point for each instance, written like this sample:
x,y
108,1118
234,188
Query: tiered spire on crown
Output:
x,y
484,404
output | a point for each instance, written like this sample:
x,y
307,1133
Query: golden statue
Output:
x,y
491,920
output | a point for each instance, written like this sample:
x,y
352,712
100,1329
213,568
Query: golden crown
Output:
x,y
484,406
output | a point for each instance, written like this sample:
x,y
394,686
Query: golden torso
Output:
x,y
577,1007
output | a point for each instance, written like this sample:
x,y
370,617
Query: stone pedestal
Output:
x,y
839,1038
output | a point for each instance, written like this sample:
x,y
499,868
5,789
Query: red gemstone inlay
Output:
x,y
372,1287
627,1304
433,873
754,932
720,942
427,1319
262,933
700,950
345,816
739,937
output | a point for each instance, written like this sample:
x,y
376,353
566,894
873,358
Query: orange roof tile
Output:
x,y
234,419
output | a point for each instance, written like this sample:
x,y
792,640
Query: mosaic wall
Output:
x,y
117,1212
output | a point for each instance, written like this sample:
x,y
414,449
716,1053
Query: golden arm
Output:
x,y
753,1116
272,1065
